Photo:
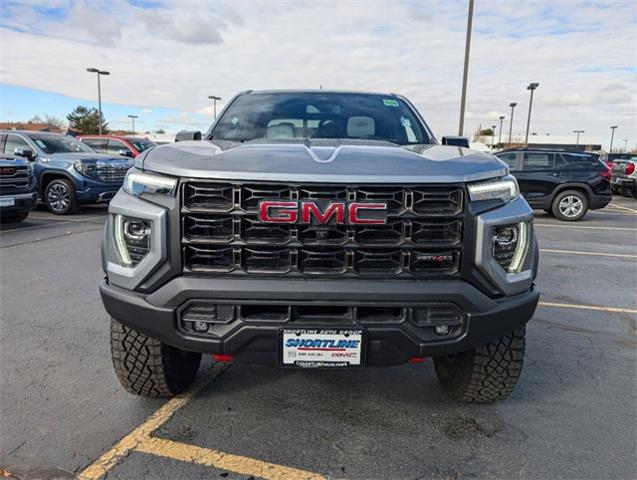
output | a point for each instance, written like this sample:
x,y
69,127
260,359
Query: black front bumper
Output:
x,y
157,314
22,202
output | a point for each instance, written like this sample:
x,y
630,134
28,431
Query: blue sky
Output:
x,y
20,104
166,57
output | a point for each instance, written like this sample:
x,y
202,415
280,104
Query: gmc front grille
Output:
x,y
221,232
112,173
17,177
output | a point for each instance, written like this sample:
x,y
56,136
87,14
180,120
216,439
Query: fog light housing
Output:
x,y
510,245
132,239
200,327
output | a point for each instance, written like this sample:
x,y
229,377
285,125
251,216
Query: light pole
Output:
x,y
500,134
612,136
99,92
512,105
132,118
625,145
578,132
465,73
493,136
214,103
532,87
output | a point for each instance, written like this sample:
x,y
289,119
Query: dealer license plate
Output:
x,y
7,201
315,348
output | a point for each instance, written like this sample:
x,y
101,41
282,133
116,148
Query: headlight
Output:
x,y
510,244
137,183
505,189
85,168
132,239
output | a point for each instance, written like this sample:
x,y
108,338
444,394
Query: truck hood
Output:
x,y
86,156
326,162
12,161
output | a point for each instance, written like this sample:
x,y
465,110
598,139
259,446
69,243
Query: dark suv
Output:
x,y
564,183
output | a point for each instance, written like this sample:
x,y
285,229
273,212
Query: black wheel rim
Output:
x,y
58,197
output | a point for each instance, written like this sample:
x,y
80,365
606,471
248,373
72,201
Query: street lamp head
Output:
x,y
133,116
98,71
213,97
513,104
614,127
501,117
533,86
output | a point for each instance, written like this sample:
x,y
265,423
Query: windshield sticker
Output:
x,y
41,144
390,102
405,122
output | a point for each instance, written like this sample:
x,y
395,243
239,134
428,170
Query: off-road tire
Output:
x,y
13,217
487,373
58,185
148,367
555,206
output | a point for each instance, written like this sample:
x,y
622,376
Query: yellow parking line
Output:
x,y
140,434
596,308
596,254
223,461
584,227
622,207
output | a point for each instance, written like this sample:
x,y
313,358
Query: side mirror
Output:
x,y
186,135
455,141
25,152
124,152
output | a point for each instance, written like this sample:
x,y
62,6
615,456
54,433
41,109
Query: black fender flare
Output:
x,y
49,175
571,186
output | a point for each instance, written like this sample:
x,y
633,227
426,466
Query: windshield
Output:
x,y
320,115
59,143
141,144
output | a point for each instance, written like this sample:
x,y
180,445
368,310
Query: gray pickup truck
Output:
x,y
315,229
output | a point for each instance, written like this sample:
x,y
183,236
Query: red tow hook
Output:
x,y
222,357
414,360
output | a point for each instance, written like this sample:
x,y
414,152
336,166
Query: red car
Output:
x,y
111,144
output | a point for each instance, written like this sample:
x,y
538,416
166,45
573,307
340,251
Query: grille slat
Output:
x,y
112,173
222,233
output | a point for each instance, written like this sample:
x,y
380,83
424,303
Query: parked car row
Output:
x,y
64,172
624,167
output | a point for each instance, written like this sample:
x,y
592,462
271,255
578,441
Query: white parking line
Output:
x,y
595,254
550,225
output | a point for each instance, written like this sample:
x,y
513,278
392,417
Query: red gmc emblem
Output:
x,y
310,212
7,171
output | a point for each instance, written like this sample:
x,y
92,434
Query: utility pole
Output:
x,y
99,93
500,134
465,73
214,104
512,105
625,145
133,117
578,132
532,87
612,136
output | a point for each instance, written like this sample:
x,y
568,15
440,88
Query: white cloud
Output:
x,y
176,55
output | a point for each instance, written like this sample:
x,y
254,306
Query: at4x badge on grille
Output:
x,y
311,212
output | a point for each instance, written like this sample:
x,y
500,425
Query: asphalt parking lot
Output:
x,y
63,413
